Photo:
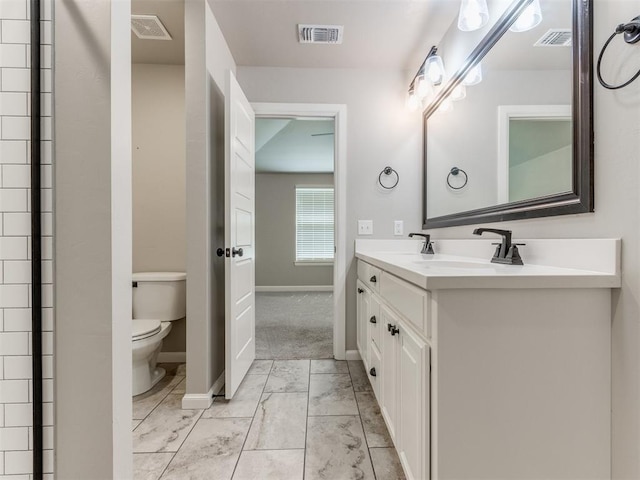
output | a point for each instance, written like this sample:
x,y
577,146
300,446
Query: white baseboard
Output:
x,y
352,355
172,357
202,401
294,288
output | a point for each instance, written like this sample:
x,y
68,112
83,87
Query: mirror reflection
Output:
x,y
511,132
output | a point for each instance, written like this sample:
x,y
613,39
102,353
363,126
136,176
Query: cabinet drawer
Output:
x,y
375,363
369,275
410,301
375,323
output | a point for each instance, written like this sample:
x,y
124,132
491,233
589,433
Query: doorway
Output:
x,y
300,244
295,240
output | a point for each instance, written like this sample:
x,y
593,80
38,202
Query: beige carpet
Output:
x,y
294,325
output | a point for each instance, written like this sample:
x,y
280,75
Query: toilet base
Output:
x,y
145,373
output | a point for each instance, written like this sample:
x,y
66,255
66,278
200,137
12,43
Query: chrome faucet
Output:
x,y
506,252
427,246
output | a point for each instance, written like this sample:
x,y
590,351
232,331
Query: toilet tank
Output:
x,y
159,295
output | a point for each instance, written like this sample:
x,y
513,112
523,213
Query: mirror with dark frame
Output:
x,y
520,143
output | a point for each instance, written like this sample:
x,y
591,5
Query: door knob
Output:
x,y
236,251
220,252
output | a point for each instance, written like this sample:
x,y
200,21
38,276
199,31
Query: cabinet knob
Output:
x,y
373,319
373,279
360,290
373,371
393,329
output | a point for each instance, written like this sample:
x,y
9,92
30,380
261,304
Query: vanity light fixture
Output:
x,y
423,87
474,14
431,73
434,68
459,92
445,106
474,76
529,18
413,102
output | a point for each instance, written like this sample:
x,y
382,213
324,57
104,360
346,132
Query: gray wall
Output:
x,y
159,197
93,233
159,167
276,231
206,63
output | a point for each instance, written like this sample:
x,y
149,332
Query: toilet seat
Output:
x,y
142,329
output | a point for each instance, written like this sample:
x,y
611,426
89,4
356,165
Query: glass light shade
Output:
x,y
434,69
473,15
474,76
445,106
529,18
413,102
423,87
458,93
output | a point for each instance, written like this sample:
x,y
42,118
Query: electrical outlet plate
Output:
x,y
365,227
398,227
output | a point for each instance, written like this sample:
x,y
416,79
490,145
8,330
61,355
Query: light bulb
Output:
x,y
434,69
473,15
445,106
458,93
423,87
413,102
529,18
474,76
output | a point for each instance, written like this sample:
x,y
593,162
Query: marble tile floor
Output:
x,y
289,420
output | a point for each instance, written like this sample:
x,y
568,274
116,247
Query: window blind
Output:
x,y
314,224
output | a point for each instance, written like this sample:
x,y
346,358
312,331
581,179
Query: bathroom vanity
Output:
x,y
491,371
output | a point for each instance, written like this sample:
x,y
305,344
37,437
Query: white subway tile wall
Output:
x,y
16,426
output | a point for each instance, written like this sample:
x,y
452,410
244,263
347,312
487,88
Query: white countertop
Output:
x,y
447,271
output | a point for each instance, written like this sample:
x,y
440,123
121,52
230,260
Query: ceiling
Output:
x,y
166,52
294,145
377,33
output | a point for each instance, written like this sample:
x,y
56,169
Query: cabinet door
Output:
x,y
375,323
389,370
375,364
363,307
413,411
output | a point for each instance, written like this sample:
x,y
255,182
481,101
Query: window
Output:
x,y
314,224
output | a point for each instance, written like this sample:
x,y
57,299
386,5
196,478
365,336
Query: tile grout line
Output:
x,y
306,426
157,404
235,467
364,434
167,466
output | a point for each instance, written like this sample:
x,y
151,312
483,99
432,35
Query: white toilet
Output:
x,y
159,298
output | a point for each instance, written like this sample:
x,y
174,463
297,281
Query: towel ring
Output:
x,y
455,171
388,171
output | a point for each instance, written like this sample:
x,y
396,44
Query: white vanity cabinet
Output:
x,y
397,360
490,379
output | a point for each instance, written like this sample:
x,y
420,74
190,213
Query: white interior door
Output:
x,y
240,327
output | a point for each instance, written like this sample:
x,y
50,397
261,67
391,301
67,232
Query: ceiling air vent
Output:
x,y
320,34
556,37
149,27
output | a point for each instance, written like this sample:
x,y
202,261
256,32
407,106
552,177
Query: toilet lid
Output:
x,y
144,328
